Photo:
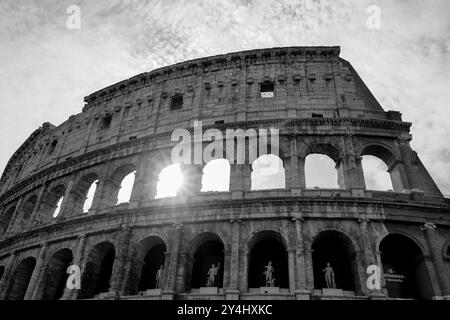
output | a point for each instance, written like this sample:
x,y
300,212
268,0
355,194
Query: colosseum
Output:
x,y
248,241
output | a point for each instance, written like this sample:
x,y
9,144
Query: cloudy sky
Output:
x,y
46,69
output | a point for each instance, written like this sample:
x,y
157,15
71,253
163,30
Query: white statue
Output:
x,y
329,276
212,272
159,275
270,281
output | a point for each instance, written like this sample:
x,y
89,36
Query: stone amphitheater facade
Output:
x,y
320,105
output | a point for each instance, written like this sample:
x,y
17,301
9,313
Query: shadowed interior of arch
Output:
x,y
20,279
404,268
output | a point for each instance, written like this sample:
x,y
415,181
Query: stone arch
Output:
x,y
55,276
147,258
204,250
26,210
112,184
50,204
414,239
263,247
170,181
5,218
405,273
97,272
328,157
2,271
338,249
390,158
21,279
268,172
446,250
222,181
78,194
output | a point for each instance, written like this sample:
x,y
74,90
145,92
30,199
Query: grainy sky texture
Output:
x,y
46,69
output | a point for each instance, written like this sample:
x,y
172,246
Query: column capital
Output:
x,y
81,236
428,226
235,220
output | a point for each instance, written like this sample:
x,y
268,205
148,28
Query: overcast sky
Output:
x,y
46,69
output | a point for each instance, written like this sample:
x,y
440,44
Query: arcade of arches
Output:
x,y
404,265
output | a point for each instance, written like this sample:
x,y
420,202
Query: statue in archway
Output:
x,y
270,281
159,276
329,276
212,272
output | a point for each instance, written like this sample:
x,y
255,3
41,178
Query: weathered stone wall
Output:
x,y
320,105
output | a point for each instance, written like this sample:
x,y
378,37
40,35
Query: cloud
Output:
x,y
47,69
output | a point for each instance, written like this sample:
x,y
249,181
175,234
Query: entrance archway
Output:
x,y
404,268
98,270
207,249
20,280
55,275
265,247
335,248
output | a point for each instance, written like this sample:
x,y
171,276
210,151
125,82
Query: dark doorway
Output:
x,y
98,271
335,248
404,268
207,254
56,276
21,278
153,261
262,252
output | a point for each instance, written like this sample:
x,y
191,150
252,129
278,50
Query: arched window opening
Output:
x,y
320,172
176,102
2,271
268,173
55,276
58,207
51,205
333,249
216,176
90,196
20,279
98,271
126,187
52,146
170,181
5,219
404,269
27,210
268,250
376,175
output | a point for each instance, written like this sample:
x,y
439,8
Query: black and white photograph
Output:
x,y
225,158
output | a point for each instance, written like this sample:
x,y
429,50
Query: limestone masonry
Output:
x,y
320,105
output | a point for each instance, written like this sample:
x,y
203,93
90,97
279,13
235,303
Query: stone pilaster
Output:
x,y
233,290
12,222
67,195
7,275
291,268
171,276
40,198
68,293
119,262
36,273
438,263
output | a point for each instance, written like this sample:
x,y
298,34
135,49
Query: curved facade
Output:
x,y
320,106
